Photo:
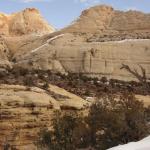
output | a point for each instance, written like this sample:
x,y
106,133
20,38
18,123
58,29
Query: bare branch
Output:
x,y
142,78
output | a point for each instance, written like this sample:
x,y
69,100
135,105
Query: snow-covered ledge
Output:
x,y
141,145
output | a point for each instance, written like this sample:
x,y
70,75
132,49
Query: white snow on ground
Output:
x,y
49,40
131,40
141,145
38,48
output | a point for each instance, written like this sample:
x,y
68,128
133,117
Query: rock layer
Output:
x,y
69,54
4,55
106,21
24,111
96,44
28,21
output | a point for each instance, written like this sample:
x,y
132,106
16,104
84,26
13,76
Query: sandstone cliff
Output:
x,y
28,21
17,29
4,55
96,44
24,111
70,53
106,21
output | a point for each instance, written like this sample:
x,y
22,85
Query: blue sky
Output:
x,y
60,13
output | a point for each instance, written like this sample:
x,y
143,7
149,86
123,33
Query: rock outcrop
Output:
x,y
4,55
96,44
109,23
69,54
28,21
95,19
24,111
17,29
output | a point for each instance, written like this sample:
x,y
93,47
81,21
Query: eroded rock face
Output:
x,y
95,19
94,58
28,21
4,55
107,22
97,44
4,26
24,111
18,29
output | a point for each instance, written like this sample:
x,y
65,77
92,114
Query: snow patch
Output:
x,y
47,42
141,145
131,40
35,50
55,37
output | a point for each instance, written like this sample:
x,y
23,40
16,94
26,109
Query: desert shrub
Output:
x,y
19,71
46,86
104,80
3,73
66,133
112,120
29,81
116,121
148,113
45,140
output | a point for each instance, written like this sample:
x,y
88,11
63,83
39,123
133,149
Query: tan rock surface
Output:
x,y
96,44
95,19
94,58
105,20
28,21
4,55
20,28
24,111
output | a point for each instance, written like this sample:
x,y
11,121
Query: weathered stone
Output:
x,y
23,113
97,44
28,21
94,59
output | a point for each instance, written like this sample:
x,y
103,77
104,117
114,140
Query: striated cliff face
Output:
x,y
94,59
4,55
24,111
96,44
17,29
95,19
106,21
28,21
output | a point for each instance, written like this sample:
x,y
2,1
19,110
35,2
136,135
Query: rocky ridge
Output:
x,y
96,44
110,24
28,21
